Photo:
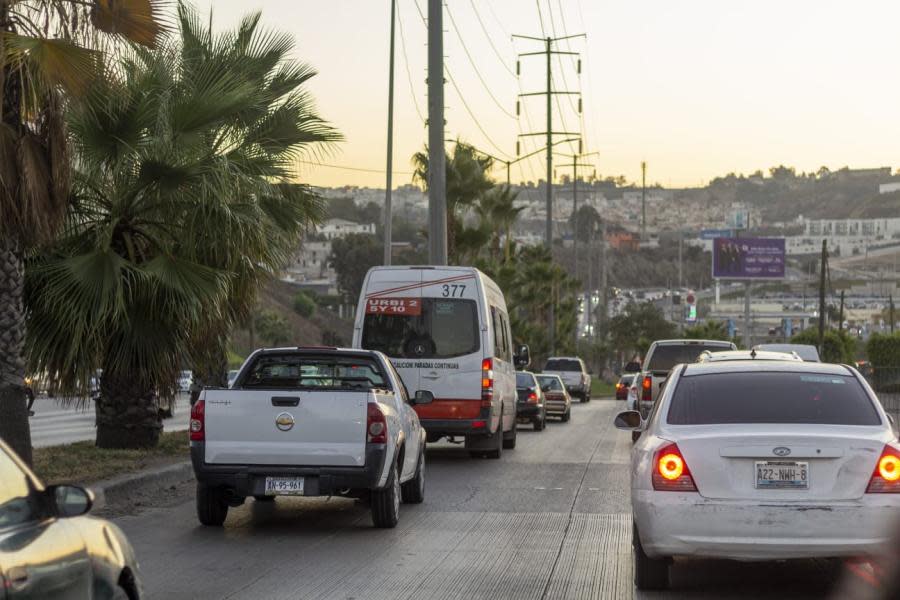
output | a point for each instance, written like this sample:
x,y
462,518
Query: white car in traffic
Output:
x,y
761,460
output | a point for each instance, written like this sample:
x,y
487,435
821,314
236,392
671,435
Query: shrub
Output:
x,y
304,305
839,347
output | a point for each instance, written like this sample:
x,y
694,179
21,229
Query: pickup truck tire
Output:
x,y
509,437
212,508
413,491
386,502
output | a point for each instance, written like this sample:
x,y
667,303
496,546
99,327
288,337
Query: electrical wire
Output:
x,y
412,89
590,80
346,168
472,114
562,70
474,66
490,40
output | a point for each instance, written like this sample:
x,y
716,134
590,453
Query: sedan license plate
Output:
x,y
284,486
782,475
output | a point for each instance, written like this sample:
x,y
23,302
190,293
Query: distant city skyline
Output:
x,y
698,89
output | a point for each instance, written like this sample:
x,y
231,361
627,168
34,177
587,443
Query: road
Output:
x,y
54,423
551,519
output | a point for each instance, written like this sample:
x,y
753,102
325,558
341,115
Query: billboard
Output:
x,y
748,258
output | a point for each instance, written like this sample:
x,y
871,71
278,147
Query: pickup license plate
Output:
x,y
284,486
786,475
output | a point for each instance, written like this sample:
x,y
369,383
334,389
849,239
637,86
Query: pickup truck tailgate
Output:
x,y
297,428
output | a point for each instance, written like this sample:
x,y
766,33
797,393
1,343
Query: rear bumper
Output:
x,y
527,410
555,407
686,524
442,427
250,480
575,387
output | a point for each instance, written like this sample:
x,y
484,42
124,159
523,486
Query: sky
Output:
x,y
696,88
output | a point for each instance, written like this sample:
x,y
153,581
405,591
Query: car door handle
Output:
x,y
285,401
18,578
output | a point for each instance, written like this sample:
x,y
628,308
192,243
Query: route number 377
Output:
x,y
453,290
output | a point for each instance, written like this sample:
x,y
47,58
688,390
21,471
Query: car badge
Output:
x,y
781,451
284,421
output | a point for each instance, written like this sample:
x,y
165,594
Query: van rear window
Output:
x,y
767,397
444,328
296,371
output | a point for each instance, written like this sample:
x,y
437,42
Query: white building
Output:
x,y
310,263
338,228
846,237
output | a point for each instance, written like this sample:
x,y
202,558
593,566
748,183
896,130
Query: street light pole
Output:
x,y
388,209
437,177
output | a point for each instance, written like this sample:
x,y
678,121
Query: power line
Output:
x,y
472,114
541,17
490,39
412,90
562,70
346,168
474,66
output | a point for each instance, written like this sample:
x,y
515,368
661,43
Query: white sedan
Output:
x,y
761,460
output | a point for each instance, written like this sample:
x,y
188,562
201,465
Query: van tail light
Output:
x,y
198,421
671,472
376,425
487,382
647,388
886,477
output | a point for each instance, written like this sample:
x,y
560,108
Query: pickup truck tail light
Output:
x,y
671,472
487,382
647,388
376,425
198,421
886,477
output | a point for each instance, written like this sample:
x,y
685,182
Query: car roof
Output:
x,y
804,351
774,366
687,342
729,355
547,375
549,358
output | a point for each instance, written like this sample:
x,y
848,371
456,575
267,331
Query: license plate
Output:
x,y
284,486
786,475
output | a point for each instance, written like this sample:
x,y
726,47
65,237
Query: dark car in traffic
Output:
x,y
530,406
49,549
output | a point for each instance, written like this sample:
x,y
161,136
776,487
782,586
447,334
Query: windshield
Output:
x,y
666,357
443,328
550,384
766,397
524,380
292,371
563,364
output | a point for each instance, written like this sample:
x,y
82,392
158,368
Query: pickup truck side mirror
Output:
x,y
423,397
629,420
522,357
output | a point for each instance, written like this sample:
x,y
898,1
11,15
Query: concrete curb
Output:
x,y
119,488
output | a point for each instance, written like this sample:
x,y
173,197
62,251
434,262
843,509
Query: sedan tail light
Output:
x,y
532,397
671,472
376,425
647,388
886,477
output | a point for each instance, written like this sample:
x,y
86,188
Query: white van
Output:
x,y
446,330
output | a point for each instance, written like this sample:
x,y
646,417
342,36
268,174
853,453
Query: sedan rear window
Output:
x,y
550,384
767,397
524,380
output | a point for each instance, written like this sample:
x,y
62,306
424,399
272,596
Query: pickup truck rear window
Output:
x,y
767,397
666,357
292,371
562,364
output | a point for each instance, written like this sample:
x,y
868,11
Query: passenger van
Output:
x,y
446,330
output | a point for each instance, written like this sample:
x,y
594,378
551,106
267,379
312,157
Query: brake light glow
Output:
x,y
647,388
376,425
487,382
479,424
886,477
198,421
532,397
671,472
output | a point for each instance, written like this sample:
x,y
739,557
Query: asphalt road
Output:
x,y
551,519
54,423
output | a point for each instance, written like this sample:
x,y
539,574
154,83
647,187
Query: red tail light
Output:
x,y
647,388
198,421
671,472
487,382
376,425
619,386
532,397
886,477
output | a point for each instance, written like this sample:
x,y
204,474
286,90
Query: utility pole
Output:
x,y
388,209
680,263
643,201
549,92
841,314
604,274
891,314
822,270
437,177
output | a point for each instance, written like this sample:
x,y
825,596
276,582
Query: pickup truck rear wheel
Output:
x,y
212,508
413,491
386,502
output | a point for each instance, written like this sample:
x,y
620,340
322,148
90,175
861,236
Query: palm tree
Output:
x,y
44,54
182,204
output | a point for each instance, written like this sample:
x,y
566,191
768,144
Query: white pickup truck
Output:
x,y
309,422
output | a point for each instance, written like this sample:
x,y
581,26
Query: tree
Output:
x,y
180,209
585,221
44,56
708,330
304,305
637,327
351,257
839,347
272,328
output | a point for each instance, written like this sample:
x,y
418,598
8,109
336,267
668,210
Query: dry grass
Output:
x,y
83,462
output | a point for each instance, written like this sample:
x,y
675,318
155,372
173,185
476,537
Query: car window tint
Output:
x,y
666,357
444,328
563,364
287,371
767,397
550,384
524,380
18,501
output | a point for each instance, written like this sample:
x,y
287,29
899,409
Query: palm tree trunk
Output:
x,y
127,413
14,429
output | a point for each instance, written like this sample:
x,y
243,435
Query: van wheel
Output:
x,y
386,502
509,438
497,451
649,573
212,508
413,491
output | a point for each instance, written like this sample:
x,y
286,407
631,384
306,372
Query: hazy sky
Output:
x,y
697,88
